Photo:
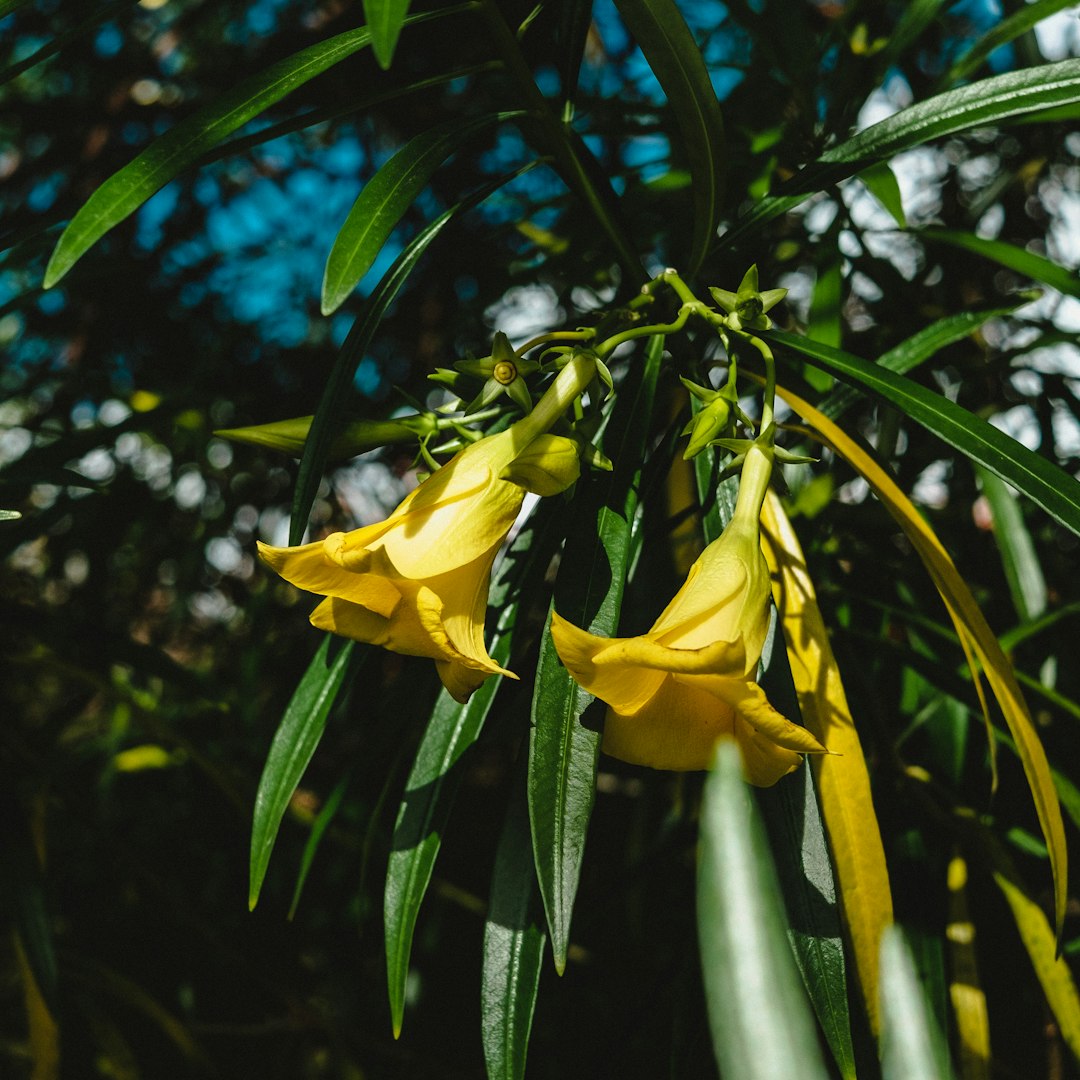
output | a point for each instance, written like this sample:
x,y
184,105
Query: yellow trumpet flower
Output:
x,y
417,583
674,692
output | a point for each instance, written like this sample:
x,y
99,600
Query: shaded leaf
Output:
x,y
436,773
294,743
1015,258
670,49
513,951
383,201
385,18
1046,484
762,1027
563,748
327,813
989,101
881,182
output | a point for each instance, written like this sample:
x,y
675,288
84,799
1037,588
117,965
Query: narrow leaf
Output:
x,y
669,47
436,772
383,201
326,424
1015,258
922,346
125,191
881,182
805,872
514,942
912,1047
385,18
1010,28
563,747
575,18
1023,572
295,741
1040,480
979,643
322,822
980,104
761,1024
843,780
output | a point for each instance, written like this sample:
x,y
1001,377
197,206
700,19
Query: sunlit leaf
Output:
x,y
761,1024
1052,969
912,1046
1036,267
383,201
881,182
660,29
385,18
843,781
979,104
1046,484
563,749
294,743
980,645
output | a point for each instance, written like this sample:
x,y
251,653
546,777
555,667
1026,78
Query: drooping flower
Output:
x,y
674,692
417,583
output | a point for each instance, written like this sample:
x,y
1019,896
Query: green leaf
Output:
x,y
322,822
912,1047
514,941
1040,480
575,19
295,741
436,773
383,201
563,748
989,101
1023,572
761,1025
125,191
917,16
922,346
327,421
670,49
385,18
804,868
1010,28
1009,255
80,29
881,182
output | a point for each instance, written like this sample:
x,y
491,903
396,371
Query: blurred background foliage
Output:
x,y
148,657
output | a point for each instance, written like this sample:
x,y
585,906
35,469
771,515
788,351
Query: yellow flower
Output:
x,y
417,583
673,692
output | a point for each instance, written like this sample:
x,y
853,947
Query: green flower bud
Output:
x,y
547,466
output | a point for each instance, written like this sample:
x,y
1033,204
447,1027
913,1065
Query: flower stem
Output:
x,y
561,394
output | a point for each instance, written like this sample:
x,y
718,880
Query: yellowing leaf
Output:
x,y
975,635
842,777
1051,969
965,989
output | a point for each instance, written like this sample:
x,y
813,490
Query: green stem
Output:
x,y
555,335
605,348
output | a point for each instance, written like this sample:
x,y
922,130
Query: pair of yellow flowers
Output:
x,y
417,583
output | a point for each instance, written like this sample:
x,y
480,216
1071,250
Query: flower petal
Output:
x,y
753,706
763,761
625,688
677,728
461,682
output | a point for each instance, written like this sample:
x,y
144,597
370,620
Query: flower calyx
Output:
x,y
747,309
503,372
716,417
